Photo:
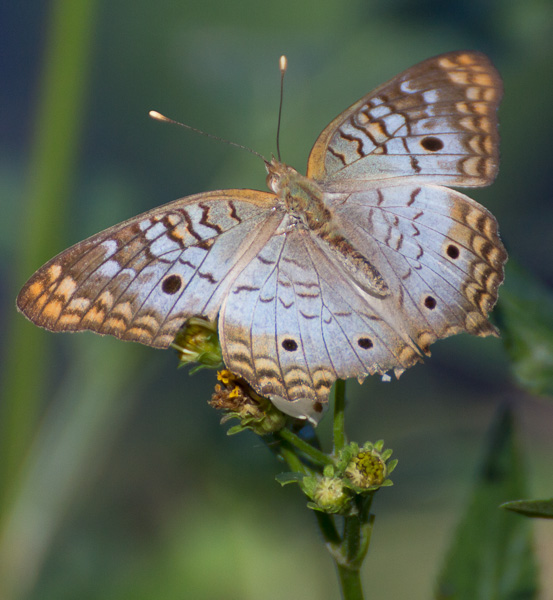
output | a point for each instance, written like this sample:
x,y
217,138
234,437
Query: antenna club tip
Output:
x,y
157,116
283,63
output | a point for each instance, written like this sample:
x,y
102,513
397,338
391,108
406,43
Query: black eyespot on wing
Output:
x,y
432,144
430,302
452,251
171,284
289,345
365,343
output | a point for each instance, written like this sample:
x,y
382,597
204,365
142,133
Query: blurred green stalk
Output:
x,y
71,444
53,161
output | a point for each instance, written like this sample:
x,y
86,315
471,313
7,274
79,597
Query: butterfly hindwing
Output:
x,y
293,323
440,250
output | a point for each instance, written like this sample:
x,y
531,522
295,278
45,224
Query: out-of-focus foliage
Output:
x,y
541,509
525,315
492,554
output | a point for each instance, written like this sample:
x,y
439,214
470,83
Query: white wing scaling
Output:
x,y
293,322
436,121
142,279
440,252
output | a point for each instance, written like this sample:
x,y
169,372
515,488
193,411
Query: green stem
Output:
x,y
339,434
365,510
349,554
350,583
315,455
348,551
327,528
54,154
292,460
352,539
357,535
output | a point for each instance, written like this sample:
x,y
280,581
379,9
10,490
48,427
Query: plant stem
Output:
x,y
339,435
55,150
313,453
352,538
350,583
348,556
292,460
327,528
348,549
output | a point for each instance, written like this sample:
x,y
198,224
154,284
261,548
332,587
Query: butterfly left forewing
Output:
x,y
141,279
436,121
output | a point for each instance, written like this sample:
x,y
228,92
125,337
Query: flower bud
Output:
x,y
331,496
197,341
366,469
240,401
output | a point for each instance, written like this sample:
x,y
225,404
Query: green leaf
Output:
x,y
491,557
525,317
531,508
391,466
289,477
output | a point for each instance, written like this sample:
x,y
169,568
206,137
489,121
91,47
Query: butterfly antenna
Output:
x,y
282,65
159,117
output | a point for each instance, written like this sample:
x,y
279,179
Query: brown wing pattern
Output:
x,y
436,121
141,279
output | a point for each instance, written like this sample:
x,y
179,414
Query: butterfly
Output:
x,y
352,270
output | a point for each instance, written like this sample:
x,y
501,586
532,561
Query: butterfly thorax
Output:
x,y
301,196
304,199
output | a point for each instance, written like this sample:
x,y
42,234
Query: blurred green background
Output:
x,y
117,480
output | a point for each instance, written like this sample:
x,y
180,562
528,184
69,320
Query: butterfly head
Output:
x,y
300,195
279,176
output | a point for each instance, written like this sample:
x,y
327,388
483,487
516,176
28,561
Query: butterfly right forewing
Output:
x,y
436,122
141,279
